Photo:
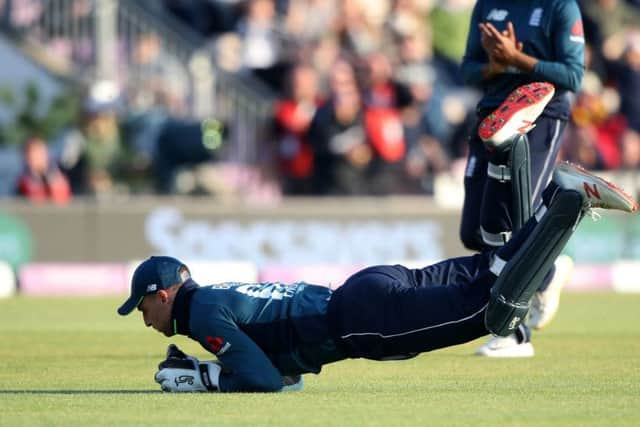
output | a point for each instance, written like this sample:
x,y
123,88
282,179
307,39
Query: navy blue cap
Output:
x,y
153,274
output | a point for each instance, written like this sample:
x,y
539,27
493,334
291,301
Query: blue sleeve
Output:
x,y
567,69
245,367
475,58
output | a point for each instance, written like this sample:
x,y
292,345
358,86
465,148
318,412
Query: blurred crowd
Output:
x,y
370,97
369,100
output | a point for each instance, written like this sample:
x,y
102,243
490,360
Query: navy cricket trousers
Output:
x,y
384,312
488,202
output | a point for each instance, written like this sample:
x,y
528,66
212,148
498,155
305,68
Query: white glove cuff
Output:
x,y
210,374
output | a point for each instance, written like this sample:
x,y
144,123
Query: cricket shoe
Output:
x,y
517,344
515,115
597,192
545,304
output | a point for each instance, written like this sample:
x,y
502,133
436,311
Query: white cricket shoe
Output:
x,y
545,304
506,347
517,344
516,114
597,192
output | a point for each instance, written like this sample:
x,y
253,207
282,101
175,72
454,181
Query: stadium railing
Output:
x,y
104,42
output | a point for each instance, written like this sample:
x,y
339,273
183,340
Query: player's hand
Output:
x,y
180,372
487,40
502,47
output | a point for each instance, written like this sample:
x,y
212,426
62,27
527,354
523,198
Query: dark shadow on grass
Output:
x,y
80,391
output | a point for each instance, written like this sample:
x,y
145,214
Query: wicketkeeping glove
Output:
x,y
180,372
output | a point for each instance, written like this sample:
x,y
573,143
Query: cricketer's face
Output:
x,y
156,312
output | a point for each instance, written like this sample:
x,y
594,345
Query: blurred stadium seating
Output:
x,y
158,67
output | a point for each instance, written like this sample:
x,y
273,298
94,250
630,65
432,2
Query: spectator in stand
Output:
x,y
579,143
408,18
384,98
448,21
338,139
323,55
41,179
604,120
606,23
93,156
261,42
425,152
416,59
360,26
631,150
596,132
382,90
627,74
428,129
293,116
627,71
309,20
581,146
160,78
104,150
606,18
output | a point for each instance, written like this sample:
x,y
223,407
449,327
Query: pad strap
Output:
x,y
497,265
500,172
495,239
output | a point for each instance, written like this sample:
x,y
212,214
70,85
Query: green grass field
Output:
x,y
75,362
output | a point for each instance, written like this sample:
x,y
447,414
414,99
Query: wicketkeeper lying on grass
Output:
x,y
265,334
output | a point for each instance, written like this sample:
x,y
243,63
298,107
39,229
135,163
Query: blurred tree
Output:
x,y
30,119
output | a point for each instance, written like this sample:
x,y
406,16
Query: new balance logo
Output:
x,y
526,126
536,16
591,191
497,15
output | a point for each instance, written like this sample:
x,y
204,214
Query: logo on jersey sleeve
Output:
x,y
577,32
497,15
218,345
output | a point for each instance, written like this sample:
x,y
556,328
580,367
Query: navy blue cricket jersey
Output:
x,y
258,331
551,31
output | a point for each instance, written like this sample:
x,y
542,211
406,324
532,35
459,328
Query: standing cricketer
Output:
x,y
511,47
